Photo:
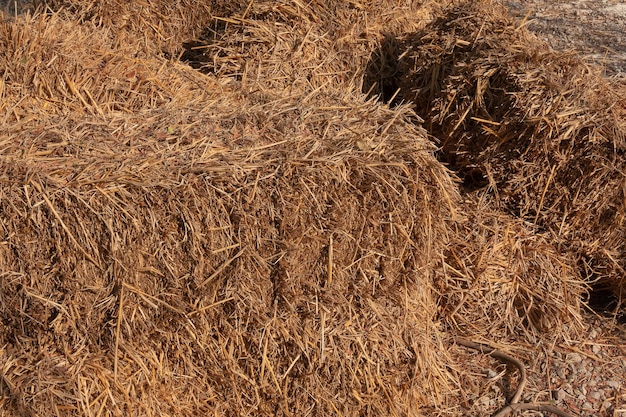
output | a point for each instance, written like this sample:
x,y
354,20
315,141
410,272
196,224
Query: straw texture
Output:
x,y
205,211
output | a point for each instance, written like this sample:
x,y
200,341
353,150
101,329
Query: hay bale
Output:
x,y
151,25
542,129
182,246
276,280
55,68
323,45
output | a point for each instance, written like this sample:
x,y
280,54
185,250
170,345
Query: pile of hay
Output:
x,y
149,26
501,279
258,239
542,131
259,267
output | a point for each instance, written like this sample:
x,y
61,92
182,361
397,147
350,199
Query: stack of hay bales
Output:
x,y
261,239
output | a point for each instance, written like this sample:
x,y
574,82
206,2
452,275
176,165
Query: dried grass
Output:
x,y
320,46
259,239
500,278
174,244
148,25
199,278
543,130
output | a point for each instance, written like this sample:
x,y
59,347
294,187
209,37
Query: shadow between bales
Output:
x,y
195,51
384,72
420,69
603,300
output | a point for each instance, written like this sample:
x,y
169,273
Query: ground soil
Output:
x,y
595,28
583,377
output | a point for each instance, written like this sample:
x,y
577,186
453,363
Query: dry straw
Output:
x,y
176,244
544,131
256,239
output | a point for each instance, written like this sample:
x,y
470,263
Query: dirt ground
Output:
x,y
596,28
583,377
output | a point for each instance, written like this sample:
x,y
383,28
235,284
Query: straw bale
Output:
x,y
54,67
182,246
151,25
543,130
318,45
